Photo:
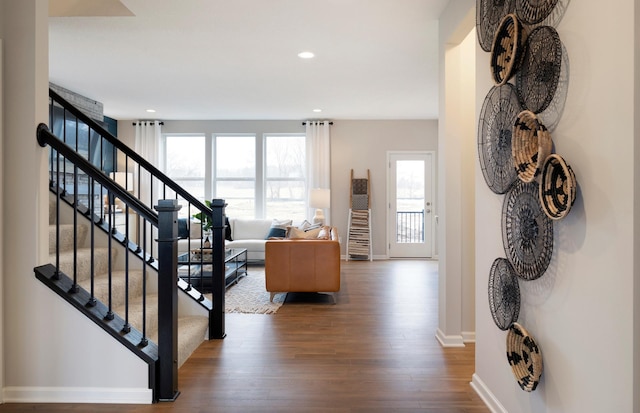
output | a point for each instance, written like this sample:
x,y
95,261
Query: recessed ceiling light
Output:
x,y
151,110
305,55
317,110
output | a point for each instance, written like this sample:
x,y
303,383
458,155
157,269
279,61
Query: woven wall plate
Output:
x,y
534,11
506,51
499,111
530,146
553,113
557,187
538,76
504,293
527,232
525,357
489,13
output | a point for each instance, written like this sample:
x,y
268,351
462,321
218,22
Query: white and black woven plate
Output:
x,y
527,232
497,116
504,293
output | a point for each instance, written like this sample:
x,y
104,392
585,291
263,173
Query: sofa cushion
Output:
x,y
227,231
242,228
253,245
295,233
278,228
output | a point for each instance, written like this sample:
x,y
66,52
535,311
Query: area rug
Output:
x,y
249,295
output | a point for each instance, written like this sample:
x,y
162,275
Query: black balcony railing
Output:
x,y
410,226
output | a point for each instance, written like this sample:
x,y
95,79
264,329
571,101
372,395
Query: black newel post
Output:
x,y
167,299
216,321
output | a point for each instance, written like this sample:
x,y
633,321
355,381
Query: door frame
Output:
x,y
432,192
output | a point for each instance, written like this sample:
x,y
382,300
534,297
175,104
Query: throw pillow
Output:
x,y
295,233
183,228
324,233
227,231
278,228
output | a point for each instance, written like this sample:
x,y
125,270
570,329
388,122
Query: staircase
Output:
x,y
192,329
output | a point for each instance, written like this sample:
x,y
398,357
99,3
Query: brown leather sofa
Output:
x,y
303,265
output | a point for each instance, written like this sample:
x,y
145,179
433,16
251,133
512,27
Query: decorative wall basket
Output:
x,y
534,11
538,76
525,357
499,111
489,14
504,294
530,146
557,187
527,232
506,51
553,113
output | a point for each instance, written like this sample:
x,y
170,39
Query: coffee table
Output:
x,y
201,269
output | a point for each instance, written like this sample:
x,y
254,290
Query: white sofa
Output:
x,y
246,233
250,234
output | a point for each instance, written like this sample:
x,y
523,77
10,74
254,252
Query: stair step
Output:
x,y
101,262
118,283
191,333
135,312
66,237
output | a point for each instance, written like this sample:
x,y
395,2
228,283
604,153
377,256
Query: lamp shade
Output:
x,y
320,198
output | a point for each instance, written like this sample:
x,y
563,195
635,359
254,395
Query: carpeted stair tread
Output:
x,y
101,261
66,237
118,283
191,333
135,312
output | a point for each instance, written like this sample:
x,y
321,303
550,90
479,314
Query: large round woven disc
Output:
x,y
530,146
499,111
537,78
525,357
489,13
504,294
557,187
506,50
534,11
527,232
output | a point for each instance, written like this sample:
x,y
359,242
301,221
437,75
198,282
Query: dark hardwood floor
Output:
x,y
373,351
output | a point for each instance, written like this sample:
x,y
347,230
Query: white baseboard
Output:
x,y
77,395
449,341
469,336
485,394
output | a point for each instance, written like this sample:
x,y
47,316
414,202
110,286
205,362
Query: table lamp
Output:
x,y
319,198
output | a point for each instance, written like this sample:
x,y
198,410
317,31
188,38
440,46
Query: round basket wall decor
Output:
x,y
538,76
506,51
534,11
525,357
499,110
504,294
527,232
489,14
557,187
530,146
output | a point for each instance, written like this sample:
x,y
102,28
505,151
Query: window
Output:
x,y
285,172
235,174
185,164
256,177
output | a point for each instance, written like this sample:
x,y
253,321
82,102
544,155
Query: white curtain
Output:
x,y
318,158
147,144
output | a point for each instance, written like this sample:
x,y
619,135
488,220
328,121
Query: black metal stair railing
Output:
x,y
82,158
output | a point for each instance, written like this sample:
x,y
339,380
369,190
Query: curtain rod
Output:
x,y
160,123
321,123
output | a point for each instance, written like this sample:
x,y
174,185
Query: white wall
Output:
x,y
582,310
455,185
355,144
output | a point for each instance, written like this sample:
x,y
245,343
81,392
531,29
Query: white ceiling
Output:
x,y
223,59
